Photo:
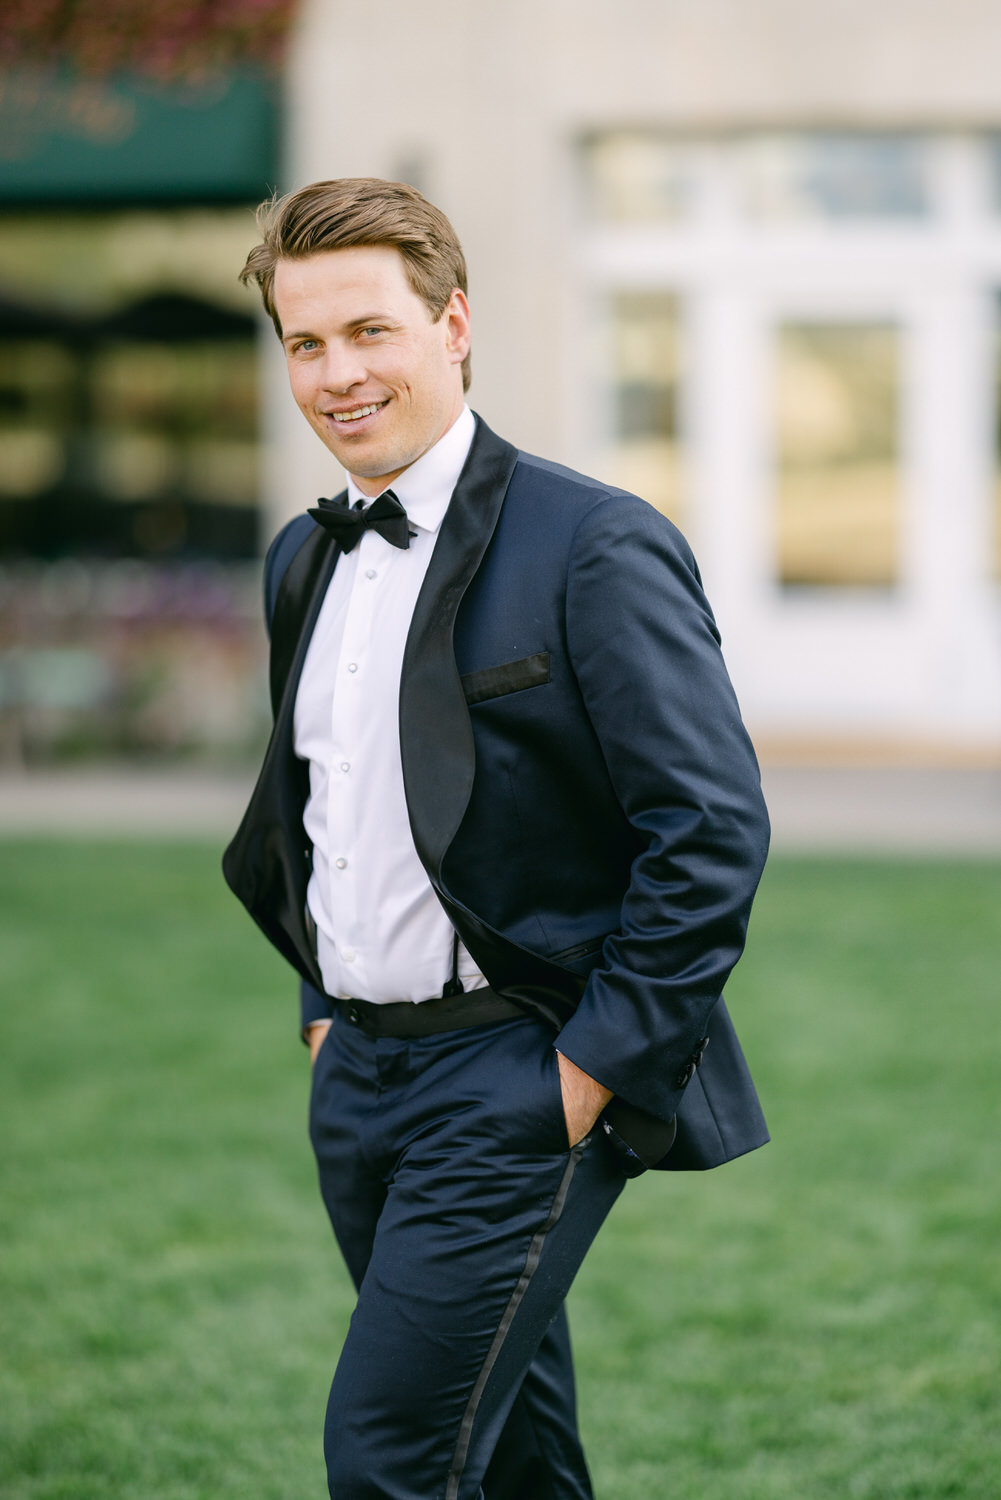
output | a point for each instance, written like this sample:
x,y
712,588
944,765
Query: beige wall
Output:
x,y
481,105
482,101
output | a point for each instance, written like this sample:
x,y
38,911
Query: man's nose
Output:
x,y
343,368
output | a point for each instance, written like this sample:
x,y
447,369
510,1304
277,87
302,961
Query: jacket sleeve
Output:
x,y
312,1006
646,653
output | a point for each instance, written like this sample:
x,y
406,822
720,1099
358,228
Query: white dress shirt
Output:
x,y
381,933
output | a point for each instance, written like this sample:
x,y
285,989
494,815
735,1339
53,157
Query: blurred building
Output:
x,y
746,260
130,525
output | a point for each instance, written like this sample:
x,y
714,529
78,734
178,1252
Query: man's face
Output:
x,y
375,379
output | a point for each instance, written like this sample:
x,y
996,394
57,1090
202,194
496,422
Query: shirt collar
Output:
x,y
425,488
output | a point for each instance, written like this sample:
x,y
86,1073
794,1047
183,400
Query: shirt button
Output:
x,y
352,666
349,955
345,765
341,864
370,573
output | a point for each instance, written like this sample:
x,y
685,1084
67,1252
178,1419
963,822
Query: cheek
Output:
x,y
302,393
305,400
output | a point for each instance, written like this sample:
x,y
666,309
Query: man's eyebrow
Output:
x,y
357,322
371,317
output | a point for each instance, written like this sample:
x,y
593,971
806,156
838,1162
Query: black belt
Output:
x,y
402,1019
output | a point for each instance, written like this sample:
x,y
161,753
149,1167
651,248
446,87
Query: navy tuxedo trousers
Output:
x,y
463,1216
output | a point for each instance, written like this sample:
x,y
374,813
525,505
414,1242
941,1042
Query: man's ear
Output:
x,y
458,331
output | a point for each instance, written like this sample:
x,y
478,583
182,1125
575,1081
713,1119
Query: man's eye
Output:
x,y
306,346
370,331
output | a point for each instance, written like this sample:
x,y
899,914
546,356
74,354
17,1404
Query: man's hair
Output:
x,y
352,211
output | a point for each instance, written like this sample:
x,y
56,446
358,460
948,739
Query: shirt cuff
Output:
x,y
313,1006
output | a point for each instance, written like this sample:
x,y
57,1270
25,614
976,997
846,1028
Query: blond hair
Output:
x,y
350,211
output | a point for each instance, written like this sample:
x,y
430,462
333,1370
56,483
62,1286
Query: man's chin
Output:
x,y
373,470
353,457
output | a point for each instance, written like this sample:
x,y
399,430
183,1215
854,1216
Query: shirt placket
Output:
x,y
348,711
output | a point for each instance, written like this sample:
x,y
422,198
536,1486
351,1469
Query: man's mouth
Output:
x,y
359,412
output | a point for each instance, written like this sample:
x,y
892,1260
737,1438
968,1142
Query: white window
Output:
x,y
796,353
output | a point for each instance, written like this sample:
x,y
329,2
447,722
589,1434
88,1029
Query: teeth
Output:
x,y
353,416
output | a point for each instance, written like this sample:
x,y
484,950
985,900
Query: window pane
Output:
x,y
646,352
996,560
993,147
837,482
128,385
36,388
825,175
638,177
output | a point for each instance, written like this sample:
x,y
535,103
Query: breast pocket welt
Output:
x,y
510,677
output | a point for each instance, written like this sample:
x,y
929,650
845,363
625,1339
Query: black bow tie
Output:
x,y
385,515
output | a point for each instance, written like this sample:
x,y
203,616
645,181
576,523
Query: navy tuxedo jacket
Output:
x,y
581,789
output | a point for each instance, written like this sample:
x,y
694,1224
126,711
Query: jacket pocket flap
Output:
x,y
579,950
512,677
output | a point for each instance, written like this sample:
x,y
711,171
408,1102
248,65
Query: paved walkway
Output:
x,y
124,801
891,809
843,809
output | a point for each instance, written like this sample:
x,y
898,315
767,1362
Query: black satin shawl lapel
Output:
x,y
296,608
300,596
436,737
266,864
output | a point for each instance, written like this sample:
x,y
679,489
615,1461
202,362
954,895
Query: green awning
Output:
x,y
66,140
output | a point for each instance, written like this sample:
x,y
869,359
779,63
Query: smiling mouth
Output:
x,y
359,412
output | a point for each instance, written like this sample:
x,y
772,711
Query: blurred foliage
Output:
x,y
173,39
124,658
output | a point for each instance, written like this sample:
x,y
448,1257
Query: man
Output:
x,y
508,831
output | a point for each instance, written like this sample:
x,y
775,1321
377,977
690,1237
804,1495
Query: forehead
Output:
x,y
343,284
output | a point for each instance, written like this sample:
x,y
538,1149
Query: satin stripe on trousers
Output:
x,y
463,1217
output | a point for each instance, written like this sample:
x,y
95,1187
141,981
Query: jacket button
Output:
x,y
354,1015
700,1047
684,1078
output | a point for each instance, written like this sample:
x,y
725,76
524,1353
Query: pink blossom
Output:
x,y
171,39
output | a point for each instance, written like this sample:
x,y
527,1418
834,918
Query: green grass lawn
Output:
x,y
818,1320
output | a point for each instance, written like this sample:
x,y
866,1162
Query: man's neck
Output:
x,y
372,486
425,486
